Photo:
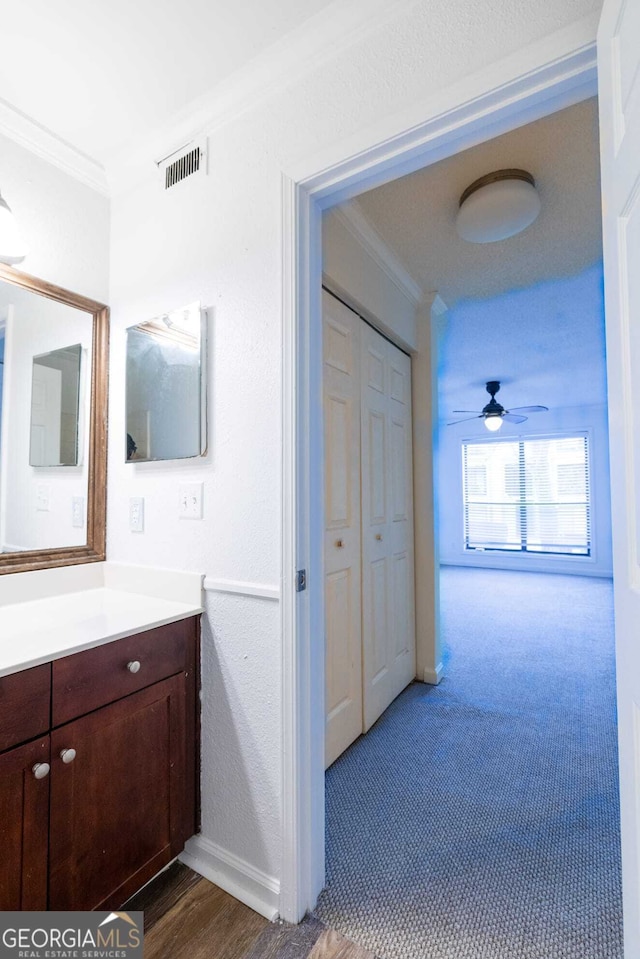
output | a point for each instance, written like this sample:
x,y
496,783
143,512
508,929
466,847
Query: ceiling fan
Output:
x,y
493,413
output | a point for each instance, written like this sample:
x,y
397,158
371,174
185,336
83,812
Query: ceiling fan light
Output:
x,y
498,206
12,246
493,422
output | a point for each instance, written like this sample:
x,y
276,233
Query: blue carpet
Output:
x,y
479,818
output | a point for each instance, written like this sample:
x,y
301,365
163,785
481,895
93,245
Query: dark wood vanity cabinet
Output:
x,y
24,826
119,801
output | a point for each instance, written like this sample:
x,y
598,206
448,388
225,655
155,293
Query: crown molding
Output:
x,y
323,36
354,220
43,143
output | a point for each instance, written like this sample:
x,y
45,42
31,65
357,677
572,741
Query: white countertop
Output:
x,y
45,628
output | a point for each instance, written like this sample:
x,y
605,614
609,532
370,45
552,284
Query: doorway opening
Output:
x,y
528,312
568,79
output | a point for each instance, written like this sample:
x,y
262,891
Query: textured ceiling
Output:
x,y
527,311
415,215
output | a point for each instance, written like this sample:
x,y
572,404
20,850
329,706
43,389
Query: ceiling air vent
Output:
x,y
187,162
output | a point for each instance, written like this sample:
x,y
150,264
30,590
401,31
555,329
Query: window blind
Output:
x,y
528,495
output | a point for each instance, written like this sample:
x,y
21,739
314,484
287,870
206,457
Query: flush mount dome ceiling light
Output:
x,y
12,246
497,206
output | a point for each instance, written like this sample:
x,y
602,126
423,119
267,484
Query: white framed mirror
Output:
x,y
166,417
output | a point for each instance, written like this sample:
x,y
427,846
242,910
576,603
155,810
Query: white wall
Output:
x,y
574,302
66,224
219,240
368,282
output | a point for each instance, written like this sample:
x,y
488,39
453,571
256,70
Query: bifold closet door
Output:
x,y
342,549
388,614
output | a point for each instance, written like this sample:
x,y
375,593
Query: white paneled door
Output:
x,y
388,617
369,577
619,95
343,660
46,410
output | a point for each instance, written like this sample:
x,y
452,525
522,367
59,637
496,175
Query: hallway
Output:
x,y
479,818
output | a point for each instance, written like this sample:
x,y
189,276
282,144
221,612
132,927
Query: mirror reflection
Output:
x,y
45,347
166,390
55,396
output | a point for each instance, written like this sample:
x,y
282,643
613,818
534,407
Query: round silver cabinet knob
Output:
x,y
67,755
134,667
41,770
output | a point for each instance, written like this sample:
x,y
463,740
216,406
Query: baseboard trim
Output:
x,y
433,676
239,878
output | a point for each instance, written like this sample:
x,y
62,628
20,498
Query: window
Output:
x,y
533,497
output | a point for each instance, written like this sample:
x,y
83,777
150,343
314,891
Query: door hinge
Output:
x,y
301,580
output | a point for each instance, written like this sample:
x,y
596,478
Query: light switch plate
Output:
x,y
190,504
42,497
136,514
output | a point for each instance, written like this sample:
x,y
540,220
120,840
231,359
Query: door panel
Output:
x,y
376,472
375,366
46,409
399,485
339,486
343,638
387,527
377,624
339,618
619,96
398,385
401,602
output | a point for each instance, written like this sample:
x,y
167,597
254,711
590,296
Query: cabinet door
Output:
x,y
24,827
119,807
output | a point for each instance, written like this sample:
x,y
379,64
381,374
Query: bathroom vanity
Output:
x,y
99,661
99,743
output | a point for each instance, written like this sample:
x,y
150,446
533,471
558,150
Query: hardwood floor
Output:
x,y
187,917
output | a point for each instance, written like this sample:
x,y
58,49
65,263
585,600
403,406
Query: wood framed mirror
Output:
x,y
54,348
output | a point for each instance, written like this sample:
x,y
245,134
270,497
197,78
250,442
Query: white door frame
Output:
x,y
546,77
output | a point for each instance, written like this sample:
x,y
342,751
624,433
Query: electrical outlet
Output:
x,y
77,512
42,497
136,514
190,506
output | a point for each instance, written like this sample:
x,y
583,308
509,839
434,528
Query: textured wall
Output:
x,y
218,239
350,269
66,224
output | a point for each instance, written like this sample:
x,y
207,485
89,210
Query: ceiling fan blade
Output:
x,y
467,411
478,416
529,409
510,418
